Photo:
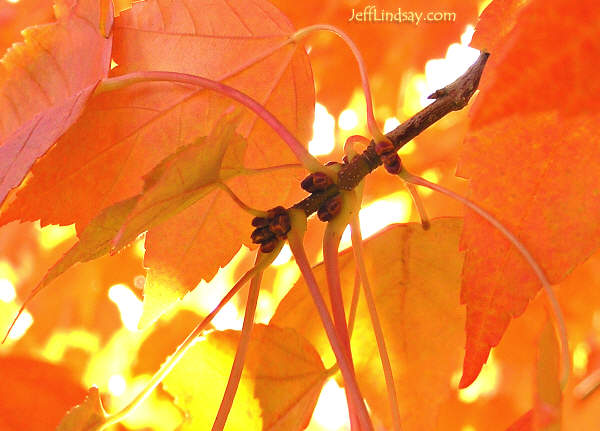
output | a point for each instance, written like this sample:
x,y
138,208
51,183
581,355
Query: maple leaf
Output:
x,y
554,134
140,125
55,391
173,185
45,82
417,302
282,379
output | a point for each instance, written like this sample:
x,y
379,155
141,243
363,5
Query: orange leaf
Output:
x,y
184,177
532,157
45,82
282,379
415,275
34,394
495,22
174,184
137,126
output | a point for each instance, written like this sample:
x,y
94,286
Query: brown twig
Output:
x,y
453,97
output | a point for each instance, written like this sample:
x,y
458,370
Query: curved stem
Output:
x,y
331,242
359,258
349,145
587,386
257,171
252,211
240,354
419,205
301,153
371,123
295,242
354,303
558,318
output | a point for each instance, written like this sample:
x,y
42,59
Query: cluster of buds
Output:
x,y
316,182
388,155
330,208
271,229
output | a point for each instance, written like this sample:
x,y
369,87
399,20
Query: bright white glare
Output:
x,y
22,324
117,385
284,256
348,119
130,307
331,411
441,72
264,308
7,291
228,318
394,208
390,124
323,139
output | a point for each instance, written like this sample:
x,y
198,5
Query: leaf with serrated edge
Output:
x,y
175,183
415,275
185,177
555,135
45,83
138,126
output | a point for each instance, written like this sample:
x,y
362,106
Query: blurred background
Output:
x,y
83,329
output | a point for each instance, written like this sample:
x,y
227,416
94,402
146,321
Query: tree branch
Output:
x,y
453,97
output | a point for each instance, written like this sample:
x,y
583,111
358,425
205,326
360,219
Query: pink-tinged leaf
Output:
x,y
33,138
45,82
138,126
532,156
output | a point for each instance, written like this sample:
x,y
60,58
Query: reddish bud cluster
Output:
x,y
271,229
316,182
388,155
330,208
